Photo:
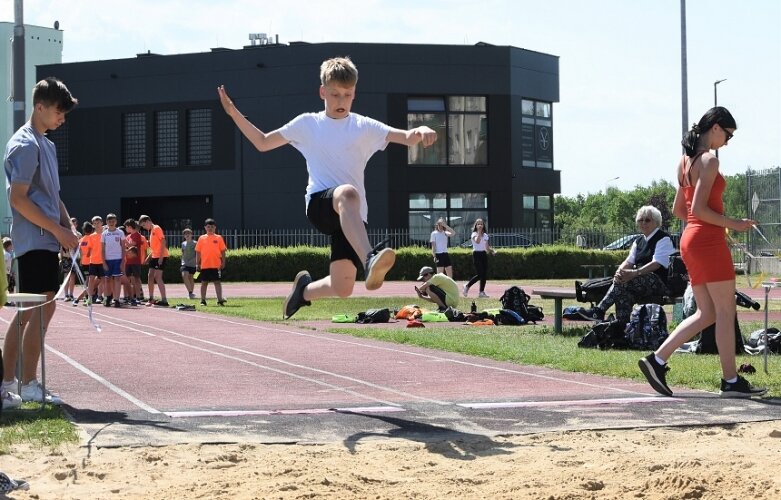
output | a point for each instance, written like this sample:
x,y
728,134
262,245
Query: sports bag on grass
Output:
x,y
515,299
374,316
647,327
605,335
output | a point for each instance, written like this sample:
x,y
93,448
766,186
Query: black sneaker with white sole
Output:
x,y
295,300
655,374
741,388
377,266
592,314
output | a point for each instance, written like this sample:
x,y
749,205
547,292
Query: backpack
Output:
x,y
773,340
515,299
509,317
593,290
604,335
647,327
374,316
707,342
677,275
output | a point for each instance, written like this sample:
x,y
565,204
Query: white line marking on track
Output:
x,y
103,381
330,338
578,402
305,411
269,358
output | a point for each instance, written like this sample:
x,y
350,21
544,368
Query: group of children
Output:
x,y
110,259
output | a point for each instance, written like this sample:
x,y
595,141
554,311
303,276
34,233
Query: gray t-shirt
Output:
x,y
31,159
188,253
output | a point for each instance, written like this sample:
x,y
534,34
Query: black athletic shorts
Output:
x,y
97,270
39,271
442,259
324,218
211,274
154,263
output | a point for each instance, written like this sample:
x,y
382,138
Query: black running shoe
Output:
x,y
593,314
377,266
295,300
655,374
741,388
203,302
162,303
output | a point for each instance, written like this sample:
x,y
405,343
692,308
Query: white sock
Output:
x,y
660,360
732,380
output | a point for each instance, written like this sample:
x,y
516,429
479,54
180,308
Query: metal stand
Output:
x,y
767,285
21,299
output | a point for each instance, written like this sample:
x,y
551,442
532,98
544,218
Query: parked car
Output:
x,y
622,243
505,240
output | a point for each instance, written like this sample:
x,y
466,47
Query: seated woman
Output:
x,y
643,273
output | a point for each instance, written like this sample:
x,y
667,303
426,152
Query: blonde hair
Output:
x,y
339,70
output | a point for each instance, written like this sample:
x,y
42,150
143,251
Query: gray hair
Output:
x,y
652,212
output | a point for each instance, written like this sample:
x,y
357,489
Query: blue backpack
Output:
x,y
647,327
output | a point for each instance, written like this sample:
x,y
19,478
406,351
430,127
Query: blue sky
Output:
x,y
620,109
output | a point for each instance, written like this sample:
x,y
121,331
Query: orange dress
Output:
x,y
704,246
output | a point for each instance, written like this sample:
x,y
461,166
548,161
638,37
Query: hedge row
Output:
x,y
282,263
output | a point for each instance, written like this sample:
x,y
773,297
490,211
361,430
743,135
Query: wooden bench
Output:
x,y
558,295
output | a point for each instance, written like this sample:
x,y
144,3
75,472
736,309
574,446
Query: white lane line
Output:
x,y
577,402
304,411
330,338
270,358
103,381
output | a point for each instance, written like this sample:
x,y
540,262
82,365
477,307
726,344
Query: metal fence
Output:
x,y
397,238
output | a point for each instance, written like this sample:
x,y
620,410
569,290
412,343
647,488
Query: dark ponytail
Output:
x,y
713,116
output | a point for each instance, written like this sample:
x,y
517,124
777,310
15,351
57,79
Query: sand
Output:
x,y
734,462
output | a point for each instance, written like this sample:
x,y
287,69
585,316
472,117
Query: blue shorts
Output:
x,y
114,268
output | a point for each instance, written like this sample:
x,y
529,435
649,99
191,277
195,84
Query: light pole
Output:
x,y
716,99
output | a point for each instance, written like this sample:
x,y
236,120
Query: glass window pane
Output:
x,y
543,202
527,107
467,140
528,202
134,140
463,221
474,103
439,201
425,104
543,220
199,136
543,109
455,103
434,154
469,200
419,200
527,219
166,139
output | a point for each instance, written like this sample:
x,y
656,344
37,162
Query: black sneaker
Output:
x,y
655,374
295,300
221,302
377,266
162,303
203,302
117,304
593,314
741,388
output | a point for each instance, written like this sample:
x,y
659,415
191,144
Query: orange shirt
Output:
x,y
156,238
210,248
95,248
83,247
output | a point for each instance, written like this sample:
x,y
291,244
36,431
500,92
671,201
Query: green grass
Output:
x,y
48,428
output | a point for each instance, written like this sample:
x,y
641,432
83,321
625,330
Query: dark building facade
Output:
x,y
149,135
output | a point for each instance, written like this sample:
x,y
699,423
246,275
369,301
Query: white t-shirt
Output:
x,y
439,238
479,247
113,240
336,150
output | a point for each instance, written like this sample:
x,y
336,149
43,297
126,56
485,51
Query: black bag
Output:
x,y
509,317
647,327
707,342
593,290
773,339
374,316
677,275
515,299
455,315
604,335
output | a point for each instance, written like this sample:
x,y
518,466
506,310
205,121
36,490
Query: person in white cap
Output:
x,y
437,288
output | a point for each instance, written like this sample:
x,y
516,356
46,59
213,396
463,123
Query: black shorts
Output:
x,y
187,269
324,218
209,275
154,263
133,270
442,259
97,270
39,271
435,290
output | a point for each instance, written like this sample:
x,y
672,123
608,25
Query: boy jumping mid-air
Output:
x,y
337,144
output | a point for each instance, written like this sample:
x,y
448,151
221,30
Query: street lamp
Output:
x,y
716,99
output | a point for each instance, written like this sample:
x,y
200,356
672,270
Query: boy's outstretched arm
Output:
x,y
417,135
261,140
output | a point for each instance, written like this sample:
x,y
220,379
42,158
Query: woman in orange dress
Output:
x,y
706,254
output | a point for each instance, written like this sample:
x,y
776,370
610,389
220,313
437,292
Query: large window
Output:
x,y
199,137
459,209
536,134
537,211
134,140
166,139
59,137
461,126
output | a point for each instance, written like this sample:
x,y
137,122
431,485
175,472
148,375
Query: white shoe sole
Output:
x,y
382,264
653,380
